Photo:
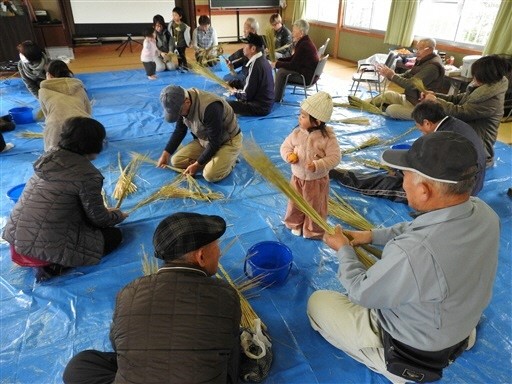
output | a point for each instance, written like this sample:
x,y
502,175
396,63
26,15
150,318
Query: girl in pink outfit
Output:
x,y
313,150
149,53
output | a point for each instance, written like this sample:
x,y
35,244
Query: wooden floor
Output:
x,y
105,57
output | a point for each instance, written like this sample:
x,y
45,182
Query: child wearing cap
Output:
x,y
312,150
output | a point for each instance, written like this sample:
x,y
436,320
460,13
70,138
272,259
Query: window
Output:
x,y
467,22
325,11
367,14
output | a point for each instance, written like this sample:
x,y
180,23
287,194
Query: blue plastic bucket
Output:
x,y
15,192
271,259
22,115
401,146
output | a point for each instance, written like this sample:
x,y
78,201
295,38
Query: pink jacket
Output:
x,y
324,152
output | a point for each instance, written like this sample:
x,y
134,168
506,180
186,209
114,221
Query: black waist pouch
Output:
x,y
416,365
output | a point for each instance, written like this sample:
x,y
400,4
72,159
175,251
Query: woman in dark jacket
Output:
x,y
60,220
303,61
32,65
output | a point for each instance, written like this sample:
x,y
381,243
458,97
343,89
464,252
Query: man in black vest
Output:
x,y
428,68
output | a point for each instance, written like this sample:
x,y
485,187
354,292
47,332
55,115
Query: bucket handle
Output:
x,y
249,256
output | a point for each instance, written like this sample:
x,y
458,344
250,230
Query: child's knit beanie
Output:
x,y
319,106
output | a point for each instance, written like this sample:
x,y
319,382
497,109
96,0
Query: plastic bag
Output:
x,y
256,353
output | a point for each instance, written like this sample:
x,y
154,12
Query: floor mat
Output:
x,y
44,325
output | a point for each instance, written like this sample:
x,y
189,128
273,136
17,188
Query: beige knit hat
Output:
x,y
319,106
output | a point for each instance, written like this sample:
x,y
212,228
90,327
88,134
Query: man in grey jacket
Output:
x,y
178,325
217,138
412,313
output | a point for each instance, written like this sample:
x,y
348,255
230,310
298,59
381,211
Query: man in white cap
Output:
x,y
217,138
179,325
414,311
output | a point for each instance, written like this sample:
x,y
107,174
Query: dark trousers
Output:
x,y
91,367
249,108
112,237
378,185
2,142
150,67
279,87
182,59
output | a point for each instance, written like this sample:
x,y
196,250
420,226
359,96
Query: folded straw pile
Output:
x,y
261,163
353,120
30,135
357,103
205,72
125,185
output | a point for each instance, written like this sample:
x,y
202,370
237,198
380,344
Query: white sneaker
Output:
x,y
296,232
8,147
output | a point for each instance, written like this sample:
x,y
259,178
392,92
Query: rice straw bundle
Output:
x,y
205,72
399,137
270,43
261,163
282,48
356,102
30,135
341,209
174,191
418,84
372,141
149,264
248,313
146,159
370,163
353,120
125,185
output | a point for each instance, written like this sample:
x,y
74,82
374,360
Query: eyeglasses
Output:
x,y
416,50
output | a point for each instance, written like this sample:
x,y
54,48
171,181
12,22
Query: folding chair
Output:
x,y
321,50
367,73
314,80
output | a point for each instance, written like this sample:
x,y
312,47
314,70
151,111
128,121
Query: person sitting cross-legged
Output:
x,y
178,325
256,97
429,117
414,311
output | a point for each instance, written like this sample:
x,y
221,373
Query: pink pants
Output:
x,y
316,193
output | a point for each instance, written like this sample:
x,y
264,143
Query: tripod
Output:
x,y
128,41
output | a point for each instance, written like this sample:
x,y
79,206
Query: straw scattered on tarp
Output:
x,y
353,120
30,134
370,163
173,190
372,141
393,140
